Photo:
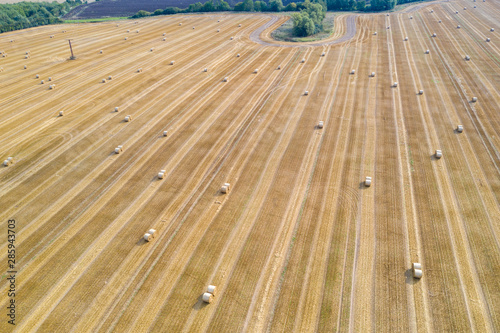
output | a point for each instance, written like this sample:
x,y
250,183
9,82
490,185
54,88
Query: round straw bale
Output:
x,y
165,133
103,81
25,67
375,33
37,76
110,77
420,92
279,67
212,290
61,113
438,153
151,231
42,82
492,29
52,86
205,70
172,62
306,93
100,51
238,55
460,128
208,297
128,119
487,39
368,181
427,51
474,99
161,175
148,237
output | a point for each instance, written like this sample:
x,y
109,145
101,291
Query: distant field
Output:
x,y
299,243
108,8
14,1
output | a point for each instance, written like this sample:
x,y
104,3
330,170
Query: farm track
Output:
x,y
299,243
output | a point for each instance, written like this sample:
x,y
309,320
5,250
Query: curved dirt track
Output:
x,y
350,26
298,244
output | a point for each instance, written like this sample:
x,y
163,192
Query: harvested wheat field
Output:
x,y
299,242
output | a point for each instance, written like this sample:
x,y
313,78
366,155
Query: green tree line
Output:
x,y
24,15
277,6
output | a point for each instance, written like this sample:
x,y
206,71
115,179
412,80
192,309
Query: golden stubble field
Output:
x,y
299,243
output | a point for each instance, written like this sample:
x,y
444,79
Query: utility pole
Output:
x,y
71,49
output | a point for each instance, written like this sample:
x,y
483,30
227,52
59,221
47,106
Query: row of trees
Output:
x,y
24,15
277,6
221,5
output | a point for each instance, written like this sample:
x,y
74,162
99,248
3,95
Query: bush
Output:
x,y
310,20
141,13
303,25
276,5
260,6
291,7
171,10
